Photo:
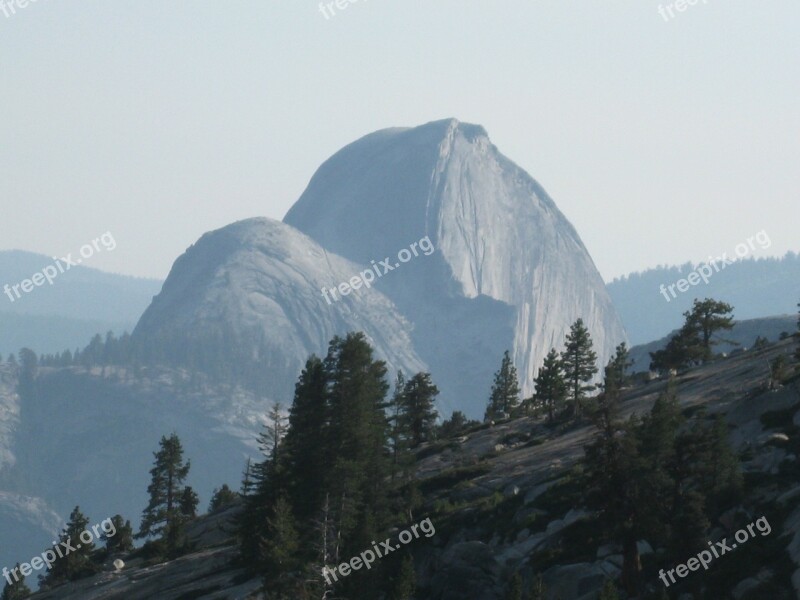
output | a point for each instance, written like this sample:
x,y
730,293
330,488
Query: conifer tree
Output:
x,y
122,540
505,389
614,469
325,485
265,482
16,589
693,344
279,548
189,503
514,591
163,516
359,438
222,497
609,591
275,430
538,590
578,362
306,444
797,350
618,366
719,474
29,363
708,317
551,389
453,426
657,439
418,412
77,563
404,585
398,437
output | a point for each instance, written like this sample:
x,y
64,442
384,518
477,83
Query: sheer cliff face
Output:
x,y
509,271
253,289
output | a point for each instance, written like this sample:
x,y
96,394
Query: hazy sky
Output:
x,y
662,141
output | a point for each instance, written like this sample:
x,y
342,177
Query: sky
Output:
x,y
661,139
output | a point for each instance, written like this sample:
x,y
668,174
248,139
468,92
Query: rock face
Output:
x,y
252,290
476,259
508,270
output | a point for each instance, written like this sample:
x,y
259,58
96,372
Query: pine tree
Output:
x,y
122,540
77,563
279,548
797,335
609,591
163,516
267,481
306,445
537,589
551,389
514,591
359,447
505,389
248,485
693,344
619,365
578,362
404,585
685,505
16,590
189,503
614,470
455,425
222,498
275,431
28,362
717,467
708,317
418,412
657,439
398,437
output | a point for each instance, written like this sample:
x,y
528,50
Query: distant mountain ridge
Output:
x,y
755,287
81,302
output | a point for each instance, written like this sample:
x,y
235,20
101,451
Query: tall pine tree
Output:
x,y
163,516
16,589
359,431
551,389
77,563
505,389
418,412
578,361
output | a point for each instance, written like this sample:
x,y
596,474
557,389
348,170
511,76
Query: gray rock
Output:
x,y
490,282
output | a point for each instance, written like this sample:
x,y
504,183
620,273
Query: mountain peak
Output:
x,y
507,261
